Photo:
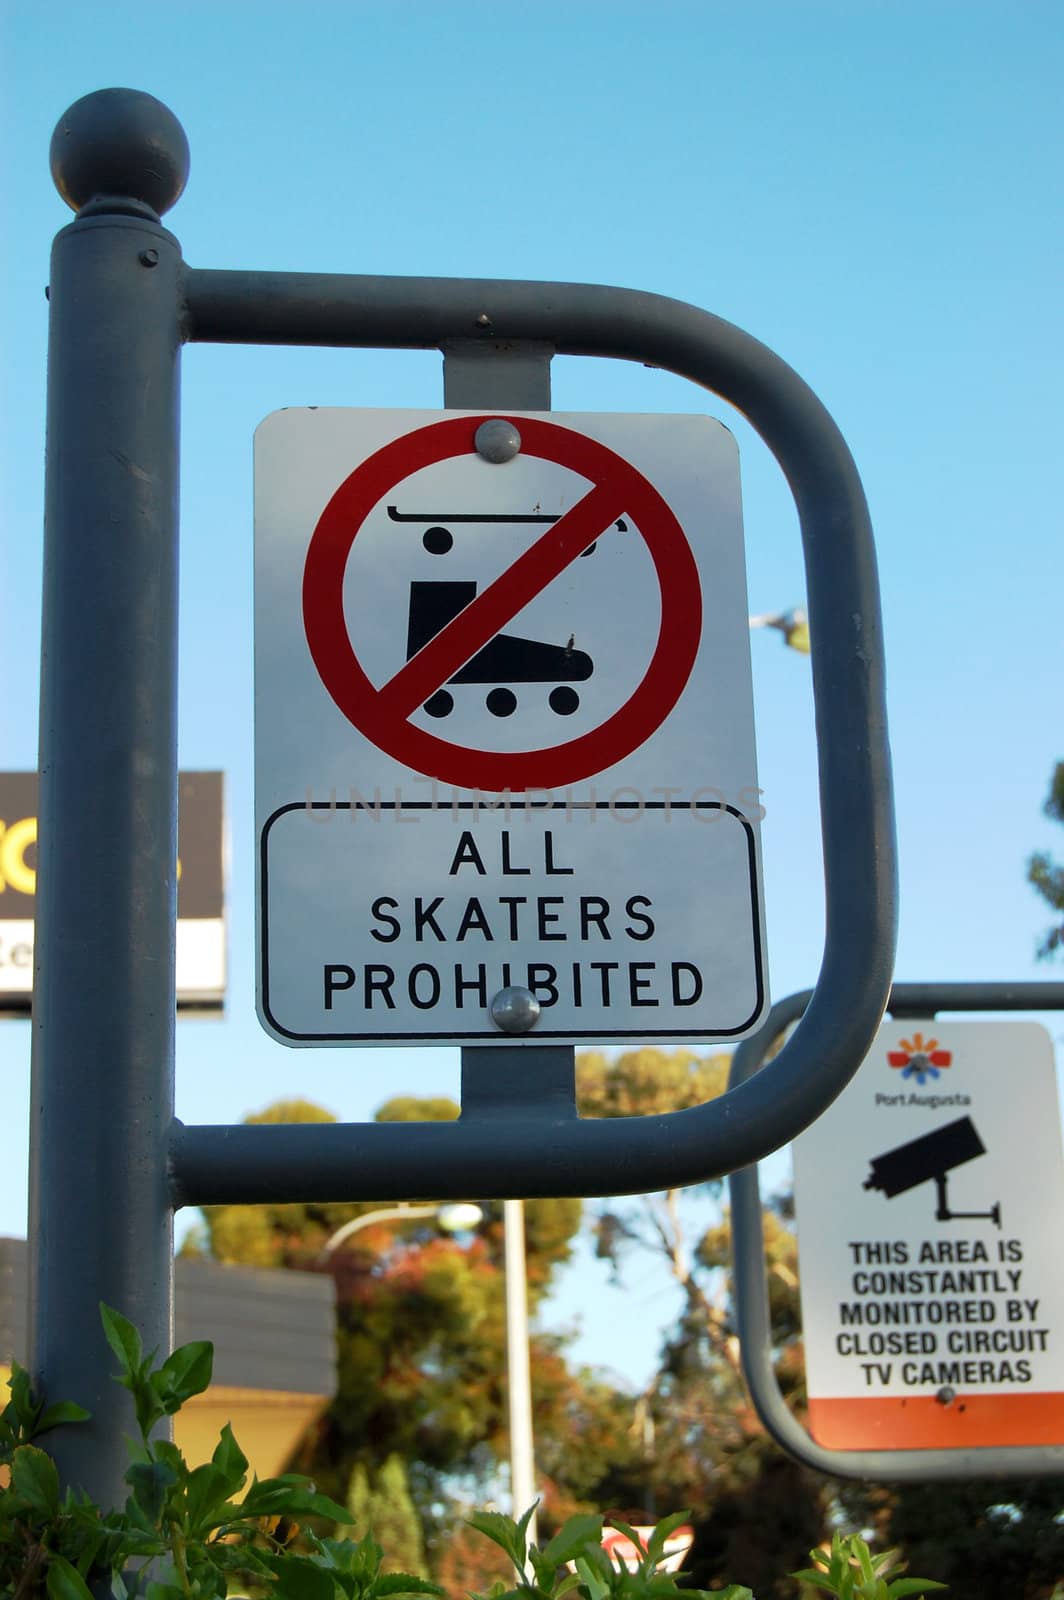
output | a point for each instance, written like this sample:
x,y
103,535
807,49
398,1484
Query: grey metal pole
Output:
x,y
103,1048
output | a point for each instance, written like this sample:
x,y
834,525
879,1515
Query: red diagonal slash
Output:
x,y
492,609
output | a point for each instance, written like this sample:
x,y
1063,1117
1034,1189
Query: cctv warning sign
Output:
x,y
504,734
928,1200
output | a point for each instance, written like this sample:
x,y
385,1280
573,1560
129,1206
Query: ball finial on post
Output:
x,y
123,144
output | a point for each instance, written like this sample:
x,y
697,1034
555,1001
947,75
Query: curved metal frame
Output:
x,y
751,1284
212,1165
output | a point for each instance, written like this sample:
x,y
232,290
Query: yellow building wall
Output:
x,y
268,1424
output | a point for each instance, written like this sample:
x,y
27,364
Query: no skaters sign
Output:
x,y
929,1200
504,730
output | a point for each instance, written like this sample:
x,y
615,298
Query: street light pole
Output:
x,y
451,1218
518,1365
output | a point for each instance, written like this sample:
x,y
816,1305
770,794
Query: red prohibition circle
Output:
x,y
383,714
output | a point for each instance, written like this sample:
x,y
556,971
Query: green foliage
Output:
x,y
647,1081
851,1572
190,1535
383,1507
574,1562
1010,1532
192,1538
1046,875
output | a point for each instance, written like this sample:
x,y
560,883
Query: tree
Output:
x,y
385,1508
421,1344
703,1446
1045,874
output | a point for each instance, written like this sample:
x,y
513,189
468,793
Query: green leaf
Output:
x,y
816,1578
123,1338
207,1494
34,1477
300,1579
663,1531
19,1419
596,1583
290,1495
146,1402
504,1532
230,1460
563,1582
165,1450
904,1586
629,1533
164,1591
65,1581
183,1374
320,1505
571,1538
150,1481
62,1411
404,1583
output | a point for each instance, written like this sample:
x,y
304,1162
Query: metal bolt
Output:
x,y
149,258
515,1010
497,440
946,1396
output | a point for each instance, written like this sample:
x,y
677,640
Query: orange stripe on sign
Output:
x,y
920,1422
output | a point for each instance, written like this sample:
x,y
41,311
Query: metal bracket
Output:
x,y
496,375
751,1283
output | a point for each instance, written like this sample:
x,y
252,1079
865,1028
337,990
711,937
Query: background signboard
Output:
x,y
928,1200
504,729
200,890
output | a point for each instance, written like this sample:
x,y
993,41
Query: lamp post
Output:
x,y
456,1219
519,1366
451,1218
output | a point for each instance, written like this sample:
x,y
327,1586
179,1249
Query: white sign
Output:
x,y
930,1200
504,729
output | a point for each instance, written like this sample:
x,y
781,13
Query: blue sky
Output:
x,y
873,190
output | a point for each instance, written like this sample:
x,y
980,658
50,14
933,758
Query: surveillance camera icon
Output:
x,y
930,1159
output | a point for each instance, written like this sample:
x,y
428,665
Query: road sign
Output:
x,y
504,729
929,1200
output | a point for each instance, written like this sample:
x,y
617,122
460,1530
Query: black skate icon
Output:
x,y
505,659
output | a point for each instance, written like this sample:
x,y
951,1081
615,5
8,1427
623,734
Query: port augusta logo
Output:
x,y
919,1058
